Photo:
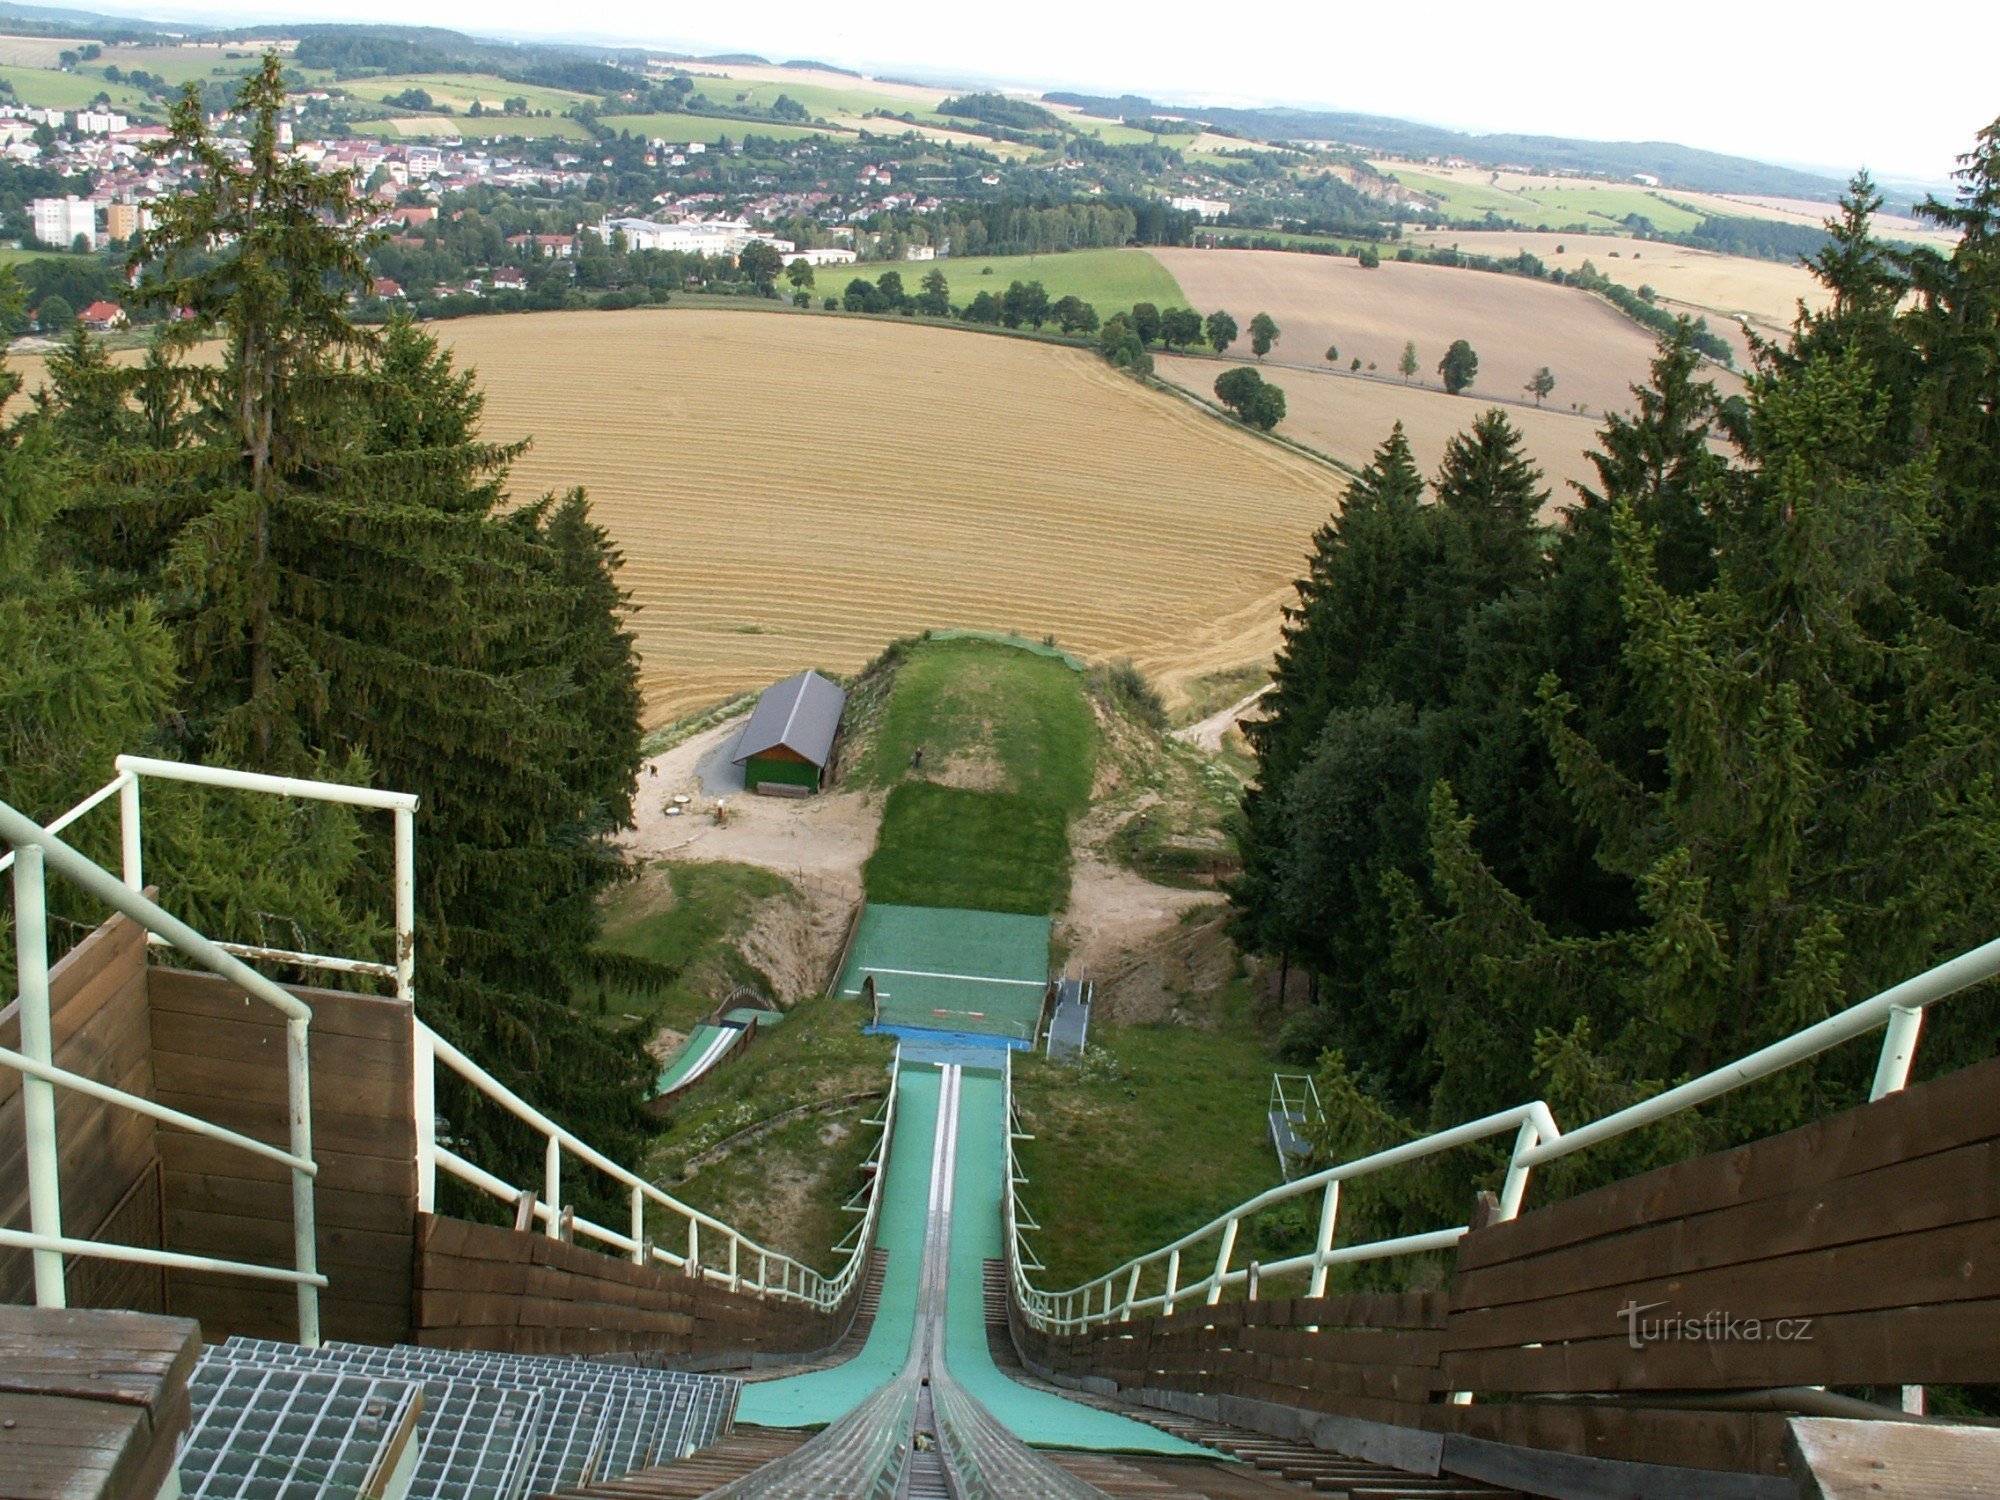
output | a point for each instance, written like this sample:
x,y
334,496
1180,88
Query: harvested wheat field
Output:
x,y
1699,282
1349,417
796,491
1515,325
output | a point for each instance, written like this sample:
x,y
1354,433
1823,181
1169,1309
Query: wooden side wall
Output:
x,y
101,1029
1855,1251
482,1287
1373,1355
220,1055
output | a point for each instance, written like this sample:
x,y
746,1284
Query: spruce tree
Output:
x,y
353,595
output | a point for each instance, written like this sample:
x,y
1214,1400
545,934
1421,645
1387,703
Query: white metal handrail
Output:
x,y
35,849
1537,1140
402,805
777,1275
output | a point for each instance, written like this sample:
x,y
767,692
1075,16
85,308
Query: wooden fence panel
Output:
x,y
220,1055
479,1286
100,1028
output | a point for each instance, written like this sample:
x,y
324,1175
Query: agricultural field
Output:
x,y
428,127
844,105
37,51
1701,283
179,64
1543,202
48,88
1805,212
1514,324
1110,280
461,90
1348,417
793,490
682,129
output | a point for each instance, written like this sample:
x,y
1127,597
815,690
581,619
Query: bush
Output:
x,y
1124,686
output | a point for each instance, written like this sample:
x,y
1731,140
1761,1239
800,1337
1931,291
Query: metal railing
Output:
x,y
401,805
776,1275
1116,1296
1294,1105
36,849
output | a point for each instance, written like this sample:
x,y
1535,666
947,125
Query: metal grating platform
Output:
x,y
289,1434
510,1424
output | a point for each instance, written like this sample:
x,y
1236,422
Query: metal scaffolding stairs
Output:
x,y
275,1421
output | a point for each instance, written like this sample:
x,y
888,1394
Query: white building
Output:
x,y
99,122
58,221
695,237
1207,208
829,255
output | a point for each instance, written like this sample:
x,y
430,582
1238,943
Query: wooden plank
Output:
x,y
1848,1460
1952,1264
346,1172
1731,1442
1538,1471
69,1448
378,1018
1956,1110
125,1358
270,1200
361,1264
118,941
254,1087
1949,1342
111,1048
1928,1192
333,1129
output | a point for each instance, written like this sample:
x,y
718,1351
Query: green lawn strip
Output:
x,y
953,847
684,916
1109,280
1159,1131
968,699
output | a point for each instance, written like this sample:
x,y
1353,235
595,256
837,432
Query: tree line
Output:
x,y
300,557
1577,803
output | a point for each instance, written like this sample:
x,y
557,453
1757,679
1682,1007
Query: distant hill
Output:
x,y
1675,165
52,20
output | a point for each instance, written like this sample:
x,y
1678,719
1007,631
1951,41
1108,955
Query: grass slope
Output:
x,y
785,1188
1160,1129
686,916
962,700
986,851
1109,280
1009,746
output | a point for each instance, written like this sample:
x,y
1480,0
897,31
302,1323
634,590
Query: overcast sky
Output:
x,y
1766,78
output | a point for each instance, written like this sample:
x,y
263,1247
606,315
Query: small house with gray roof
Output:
x,y
787,747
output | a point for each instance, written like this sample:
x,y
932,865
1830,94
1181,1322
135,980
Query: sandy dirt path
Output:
x,y
1208,734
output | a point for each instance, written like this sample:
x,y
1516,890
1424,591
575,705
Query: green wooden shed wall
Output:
x,y
779,769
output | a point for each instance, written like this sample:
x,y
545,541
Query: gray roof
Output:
x,y
801,713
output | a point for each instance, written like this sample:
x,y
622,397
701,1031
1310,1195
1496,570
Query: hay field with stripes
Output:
x,y
796,491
